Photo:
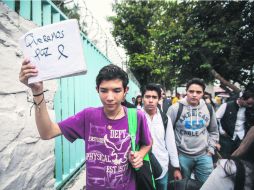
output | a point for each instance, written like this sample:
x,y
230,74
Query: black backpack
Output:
x,y
185,184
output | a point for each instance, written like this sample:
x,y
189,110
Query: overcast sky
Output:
x,y
100,9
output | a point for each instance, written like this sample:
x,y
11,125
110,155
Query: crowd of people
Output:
x,y
184,134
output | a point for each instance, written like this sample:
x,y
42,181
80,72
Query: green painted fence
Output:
x,y
74,93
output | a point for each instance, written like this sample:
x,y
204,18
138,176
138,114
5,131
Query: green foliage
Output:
x,y
132,25
170,42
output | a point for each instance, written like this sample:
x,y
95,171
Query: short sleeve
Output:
x,y
74,127
143,136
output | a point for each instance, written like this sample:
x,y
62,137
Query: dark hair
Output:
x,y
207,95
112,72
250,87
152,87
136,100
197,81
247,94
240,178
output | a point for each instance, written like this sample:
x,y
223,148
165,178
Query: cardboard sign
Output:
x,y
56,50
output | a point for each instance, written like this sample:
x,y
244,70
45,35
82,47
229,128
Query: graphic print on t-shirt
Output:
x,y
194,123
107,155
117,152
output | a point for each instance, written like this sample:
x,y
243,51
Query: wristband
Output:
x,y
35,95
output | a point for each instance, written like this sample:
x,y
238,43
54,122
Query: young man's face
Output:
x,y
194,94
150,100
111,94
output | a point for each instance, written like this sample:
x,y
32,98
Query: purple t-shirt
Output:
x,y
107,146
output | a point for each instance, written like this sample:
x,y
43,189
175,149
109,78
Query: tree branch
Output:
x,y
224,81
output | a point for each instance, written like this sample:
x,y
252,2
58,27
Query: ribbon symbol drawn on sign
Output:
x,y
60,50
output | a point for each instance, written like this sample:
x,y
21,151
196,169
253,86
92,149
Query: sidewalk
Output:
x,y
78,183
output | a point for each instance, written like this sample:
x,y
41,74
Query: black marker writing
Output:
x,y
60,50
41,52
30,39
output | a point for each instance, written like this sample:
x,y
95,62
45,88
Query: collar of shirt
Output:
x,y
156,119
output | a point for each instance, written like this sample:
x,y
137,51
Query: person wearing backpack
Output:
x,y
105,130
196,131
157,123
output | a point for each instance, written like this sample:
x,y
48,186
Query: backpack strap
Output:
x,y
179,112
133,125
164,118
210,109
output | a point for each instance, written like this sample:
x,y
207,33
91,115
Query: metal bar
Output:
x,y
25,9
65,114
37,12
10,4
71,107
46,14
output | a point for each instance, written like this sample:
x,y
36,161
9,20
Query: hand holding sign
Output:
x,y
55,49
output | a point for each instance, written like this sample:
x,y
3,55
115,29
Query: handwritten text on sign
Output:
x,y
31,41
55,49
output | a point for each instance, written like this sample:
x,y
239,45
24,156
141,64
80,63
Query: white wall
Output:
x,y
26,161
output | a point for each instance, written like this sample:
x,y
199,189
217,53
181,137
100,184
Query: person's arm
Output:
x,y
245,144
172,113
136,158
172,150
47,129
219,115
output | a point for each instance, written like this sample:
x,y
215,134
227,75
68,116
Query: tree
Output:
x,y
171,42
222,48
132,27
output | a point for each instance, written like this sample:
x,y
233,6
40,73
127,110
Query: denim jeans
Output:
x,y
162,184
202,166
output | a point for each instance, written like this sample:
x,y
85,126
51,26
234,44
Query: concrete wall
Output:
x,y
26,161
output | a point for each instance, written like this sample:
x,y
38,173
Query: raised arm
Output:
x,y
47,129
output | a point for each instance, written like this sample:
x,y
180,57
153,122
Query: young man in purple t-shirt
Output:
x,y
109,159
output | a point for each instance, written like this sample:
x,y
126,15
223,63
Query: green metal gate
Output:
x,y
74,93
